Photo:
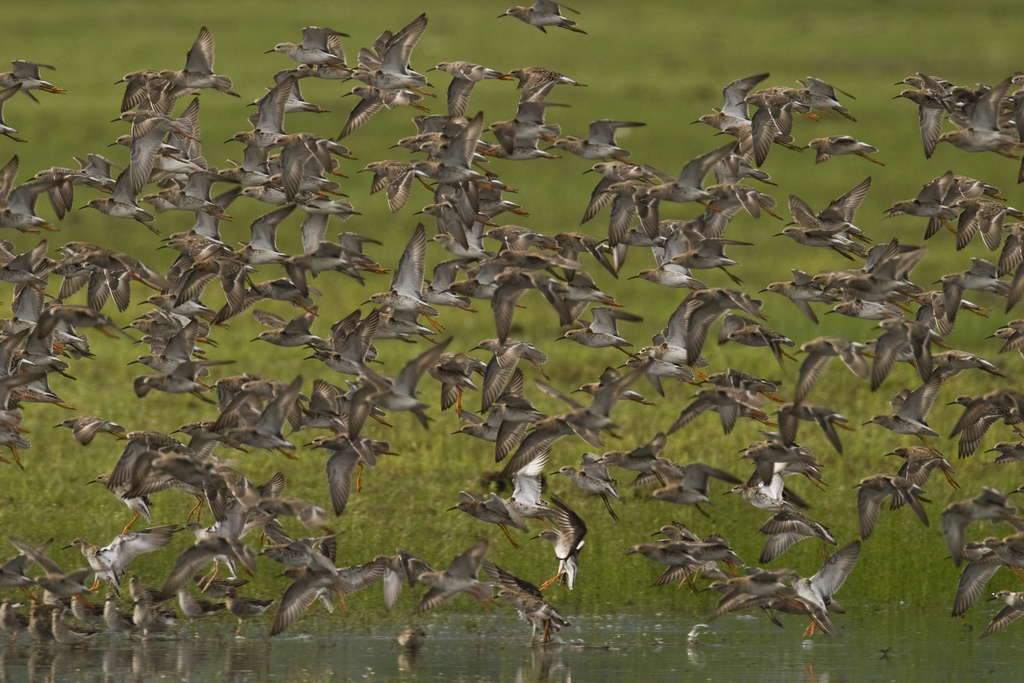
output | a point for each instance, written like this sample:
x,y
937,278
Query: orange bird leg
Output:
x,y
950,479
809,631
550,581
126,528
197,509
509,536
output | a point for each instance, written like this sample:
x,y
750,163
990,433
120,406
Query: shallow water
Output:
x,y
884,646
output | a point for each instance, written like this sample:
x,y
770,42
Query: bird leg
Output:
x,y
551,580
359,478
509,536
288,454
539,368
127,527
771,616
900,305
341,600
924,441
196,510
690,580
298,302
380,420
208,579
608,505
83,600
813,482
731,276
483,602
950,479
433,323
875,161
17,460
809,631
547,631
139,279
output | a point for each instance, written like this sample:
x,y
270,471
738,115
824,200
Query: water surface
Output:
x,y
891,645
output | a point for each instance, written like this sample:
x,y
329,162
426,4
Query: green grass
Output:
x,y
649,62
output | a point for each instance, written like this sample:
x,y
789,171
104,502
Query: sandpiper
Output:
x,y
493,510
593,478
65,634
109,562
873,492
686,485
198,71
567,541
920,462
465,75
318,46
11,620
837,145
459,577
245,607
543,13
990,504
983,133
115,619
527,600
1009,614
788,527
600,141
412,638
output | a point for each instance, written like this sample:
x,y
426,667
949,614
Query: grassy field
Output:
x,y
651,62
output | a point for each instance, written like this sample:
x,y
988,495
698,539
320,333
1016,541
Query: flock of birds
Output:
x,y
495,263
